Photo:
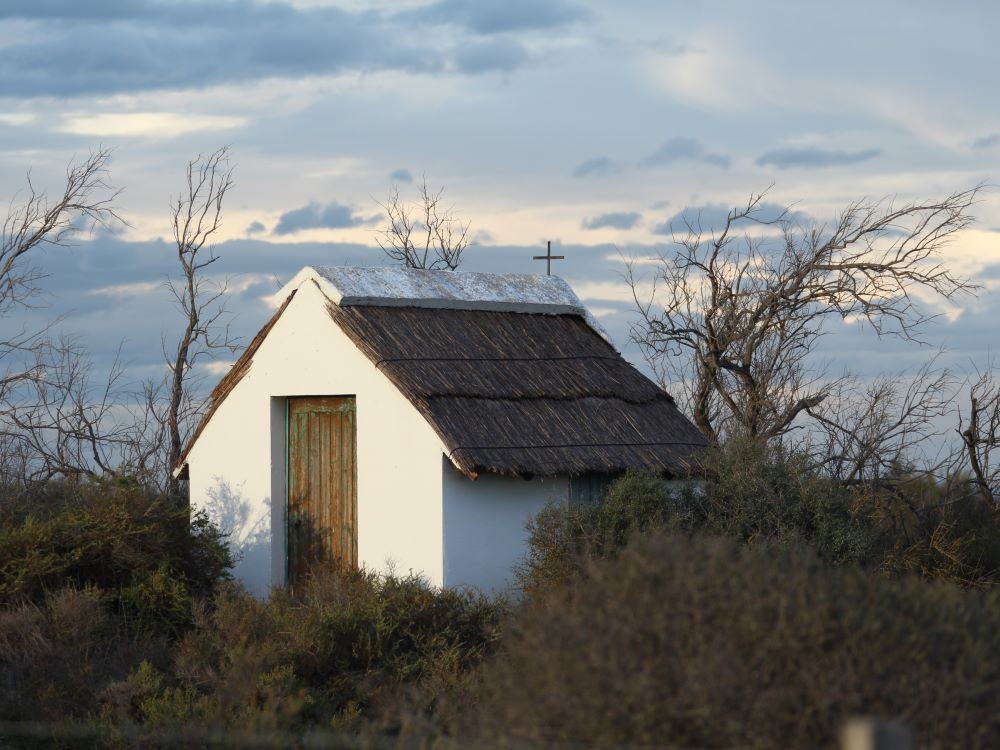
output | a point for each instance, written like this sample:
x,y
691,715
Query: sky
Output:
x,y
593,125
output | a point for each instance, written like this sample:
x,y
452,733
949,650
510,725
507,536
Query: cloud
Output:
x,y
615,220
986,141
712,217
115,46
14,119
255,227
401,175
134,124
681,148
783,158
599,166
491,55
498,16
315,216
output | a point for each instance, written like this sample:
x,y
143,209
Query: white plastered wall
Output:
x,y
237,465
484,525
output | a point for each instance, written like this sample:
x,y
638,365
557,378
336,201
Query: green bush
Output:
x,y
563,537
689,641
143,551
768,495
760,496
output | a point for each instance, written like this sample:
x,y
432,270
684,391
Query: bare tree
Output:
x,y
424,234
737,318
54,418
41,221
196,217
980,434
65,421
863,432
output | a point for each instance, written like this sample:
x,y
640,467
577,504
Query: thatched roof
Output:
x,y
511,371
523,394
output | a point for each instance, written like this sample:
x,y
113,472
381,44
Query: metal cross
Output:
x,y
548,258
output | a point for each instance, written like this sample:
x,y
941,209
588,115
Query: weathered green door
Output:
x,y
322,509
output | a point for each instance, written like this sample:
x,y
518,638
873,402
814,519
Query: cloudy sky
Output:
x,y
593,125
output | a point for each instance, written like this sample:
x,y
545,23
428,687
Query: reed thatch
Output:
x,y
523,394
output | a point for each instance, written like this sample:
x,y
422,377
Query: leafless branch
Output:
x,y
980,434
40,221
422,235
742,315
196,216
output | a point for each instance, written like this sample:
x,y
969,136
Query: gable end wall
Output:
x,y
237,466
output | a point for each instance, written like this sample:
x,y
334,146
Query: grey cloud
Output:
x,y
401,175
107,47
682,148
986,141
783,158
599,166
713,216
256,227
497,16
494,54
67,10
315,216
614,220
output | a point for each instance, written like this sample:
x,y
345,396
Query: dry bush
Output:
x,y
938,529
348,648
56,655
701,642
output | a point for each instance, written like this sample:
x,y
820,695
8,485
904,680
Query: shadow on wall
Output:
x,y
248,532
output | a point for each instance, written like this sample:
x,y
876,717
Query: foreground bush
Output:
x,y
701,642
56,656
143,550
345,648
349,651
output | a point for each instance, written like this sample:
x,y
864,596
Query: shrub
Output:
x,y
342,650
687,641
939,529
760,496
56,655
767,494
562,537
146,553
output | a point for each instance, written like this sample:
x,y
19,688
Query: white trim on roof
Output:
x,y
407,287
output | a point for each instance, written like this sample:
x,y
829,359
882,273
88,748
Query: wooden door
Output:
x,y
322,509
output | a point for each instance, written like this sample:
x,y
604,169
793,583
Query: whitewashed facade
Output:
x,y
415,511
474,400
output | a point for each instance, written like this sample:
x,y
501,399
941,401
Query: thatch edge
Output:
x,y
225,386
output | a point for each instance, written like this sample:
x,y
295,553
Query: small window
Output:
x,y
590,487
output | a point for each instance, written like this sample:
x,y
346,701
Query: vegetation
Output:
x,y
117,615
136,547
694,641
758,606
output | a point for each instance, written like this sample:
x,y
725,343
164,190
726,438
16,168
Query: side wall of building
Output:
x,y
484,525
237,466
